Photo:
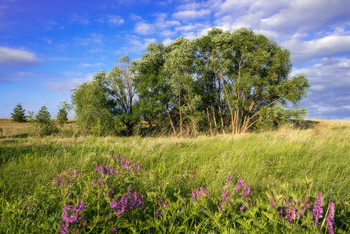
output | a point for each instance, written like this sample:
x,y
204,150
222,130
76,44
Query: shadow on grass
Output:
x,y
304,124
22,135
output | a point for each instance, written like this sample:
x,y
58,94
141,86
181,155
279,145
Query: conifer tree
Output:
x,y
18,114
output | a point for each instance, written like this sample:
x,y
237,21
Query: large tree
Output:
x,y
156,97
92,107
119,84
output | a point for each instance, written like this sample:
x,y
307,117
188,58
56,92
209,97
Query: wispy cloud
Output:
x,y
112,20
80,20
17,57
328,46
191,14
68,83
144,28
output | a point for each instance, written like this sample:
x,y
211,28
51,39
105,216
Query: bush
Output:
x,y
18,114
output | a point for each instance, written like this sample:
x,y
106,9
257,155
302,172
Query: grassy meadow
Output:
x,y
28,165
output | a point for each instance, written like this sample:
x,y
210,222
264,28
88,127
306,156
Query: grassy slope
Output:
x,y
181,164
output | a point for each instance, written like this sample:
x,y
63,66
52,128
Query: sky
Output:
x,y
47,48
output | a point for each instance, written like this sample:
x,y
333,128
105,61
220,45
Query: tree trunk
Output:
x,y
216,126
211,129
180,112
228,101
170,119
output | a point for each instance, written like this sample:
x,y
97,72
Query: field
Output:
x,y
173,167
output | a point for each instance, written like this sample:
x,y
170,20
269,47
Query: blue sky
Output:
x,y
49,47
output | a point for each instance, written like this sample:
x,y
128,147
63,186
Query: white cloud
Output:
x,y
80,20
144,28
93,40
191,14
17,57
114,20
328,46
68,83
91,64
167,41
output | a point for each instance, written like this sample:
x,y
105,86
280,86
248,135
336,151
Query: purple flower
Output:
x,y
280,212
123,161
242,207
137,168
229,179
72,214
95,183
239,184
243,191
330,217
56,181
62,178
317,210
110,171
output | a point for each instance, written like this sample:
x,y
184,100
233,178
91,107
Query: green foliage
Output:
x,y
43,116
18,114
219,79
92,107
46,125
62,115
274,117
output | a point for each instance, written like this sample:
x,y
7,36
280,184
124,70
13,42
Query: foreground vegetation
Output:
x,y
171,170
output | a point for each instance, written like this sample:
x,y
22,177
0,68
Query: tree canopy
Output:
x,y
219,82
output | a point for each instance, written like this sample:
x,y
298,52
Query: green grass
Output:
x,y
182,164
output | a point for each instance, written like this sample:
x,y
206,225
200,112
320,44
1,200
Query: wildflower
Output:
x,y
95,183
247,191
137,168
229,179
56,181
123,161
62,178
110,171
330,217
243,191
280,212
242,207
317,210
239,184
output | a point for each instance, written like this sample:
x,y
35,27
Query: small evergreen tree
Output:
x,y
62,116
18,114
47,126
43,116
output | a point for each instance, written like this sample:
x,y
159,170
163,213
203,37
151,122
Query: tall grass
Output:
x,y
178,165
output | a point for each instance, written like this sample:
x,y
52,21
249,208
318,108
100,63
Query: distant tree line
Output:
x,y
222,82
42,119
